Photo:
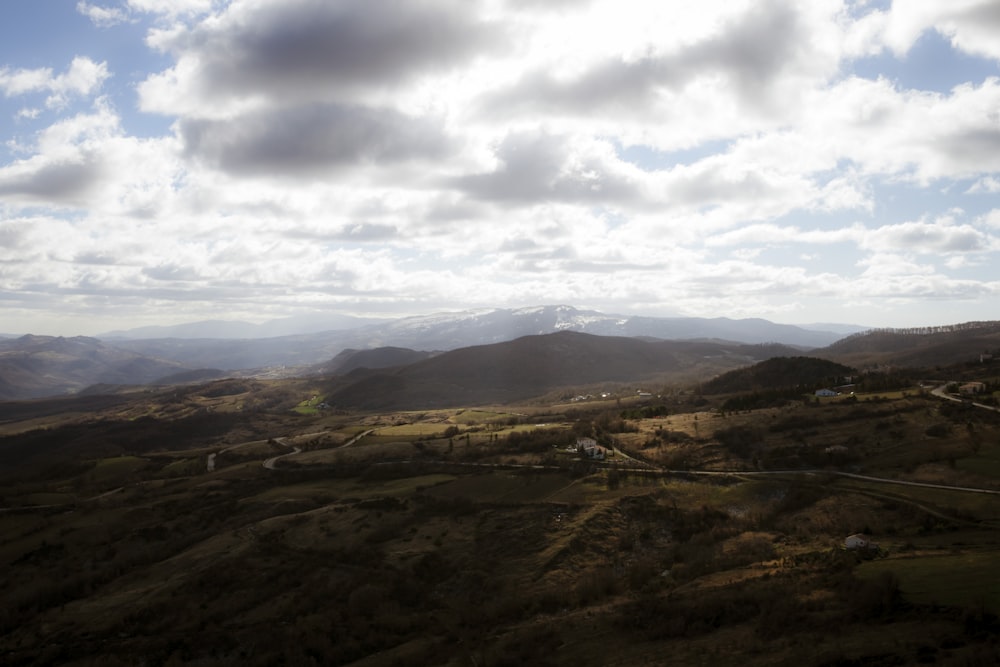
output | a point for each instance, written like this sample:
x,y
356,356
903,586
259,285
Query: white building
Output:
x,y
859,541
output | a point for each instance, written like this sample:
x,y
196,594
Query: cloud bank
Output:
x,y
733,158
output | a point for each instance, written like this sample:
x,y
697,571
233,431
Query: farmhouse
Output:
x,y
826,392
972,388
859,541
589,448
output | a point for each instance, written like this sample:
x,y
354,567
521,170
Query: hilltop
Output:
x,y
533,365
779,373
916,347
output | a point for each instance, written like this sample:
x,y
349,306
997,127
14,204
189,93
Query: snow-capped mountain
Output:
x,y
449,331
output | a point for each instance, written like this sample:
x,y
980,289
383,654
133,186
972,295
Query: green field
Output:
x,y
959,504
116,469
969,579
419,430
309,406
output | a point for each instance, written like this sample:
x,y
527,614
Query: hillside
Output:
x,y
36,366
211,525
381,357
778,373
533,365
919,347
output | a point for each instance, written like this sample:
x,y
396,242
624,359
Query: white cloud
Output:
x,y
682,157
987,184
173,9
927,238
101,16
28,113
971,25
86,162
84,77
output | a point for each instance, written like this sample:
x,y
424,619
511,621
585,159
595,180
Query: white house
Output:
x,y
859,541
826,392
590,448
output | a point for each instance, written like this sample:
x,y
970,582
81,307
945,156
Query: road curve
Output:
x,y
270,463
940,393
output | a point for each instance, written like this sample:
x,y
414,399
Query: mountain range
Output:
x,y
37,366
424,352
449,331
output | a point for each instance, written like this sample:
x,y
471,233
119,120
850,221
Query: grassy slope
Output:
x,y
433,563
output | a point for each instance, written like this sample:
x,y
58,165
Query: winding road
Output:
x,y
940,393
270,463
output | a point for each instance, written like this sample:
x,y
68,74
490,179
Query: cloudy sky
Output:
x,y
167,161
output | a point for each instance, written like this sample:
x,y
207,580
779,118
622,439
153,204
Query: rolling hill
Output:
x,y
533,365
778,373
380,357
36,366
918,347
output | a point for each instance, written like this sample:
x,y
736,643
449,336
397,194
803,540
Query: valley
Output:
x,y
242,522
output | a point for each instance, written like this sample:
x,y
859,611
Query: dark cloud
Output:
x,y
611,85
12,236
537,167
931,238
985,15
300,48
974,149
368,232
312,140
59,183
753,49
97,258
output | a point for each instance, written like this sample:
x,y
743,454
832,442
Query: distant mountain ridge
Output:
x,y
37,366
27,370
228,329
449,331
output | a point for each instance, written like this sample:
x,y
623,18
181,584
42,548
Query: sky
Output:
x,y
168,161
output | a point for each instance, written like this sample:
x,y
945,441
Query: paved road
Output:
x,y
273,461
940,393
356,438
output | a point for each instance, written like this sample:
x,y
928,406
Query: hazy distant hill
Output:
x,y
35,366
778,373
227,329
449,331
452,330
533,365
380,357
918,347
